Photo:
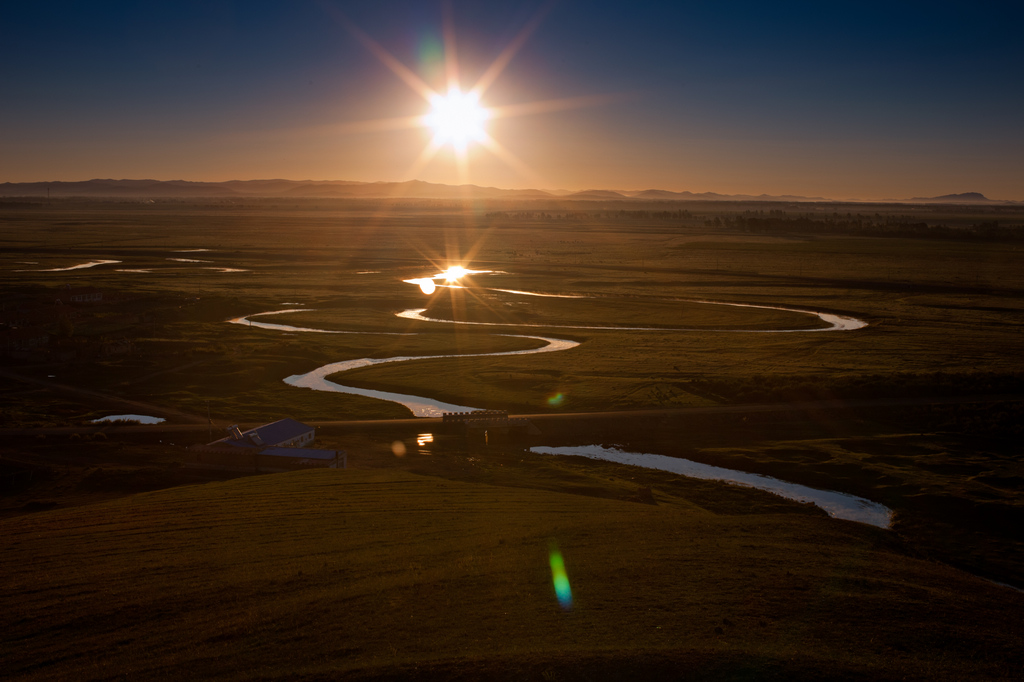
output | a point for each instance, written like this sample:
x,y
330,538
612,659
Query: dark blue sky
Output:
x,y
861,99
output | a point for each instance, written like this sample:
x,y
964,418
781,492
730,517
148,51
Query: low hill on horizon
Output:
x,y
962,198
323,189
410,189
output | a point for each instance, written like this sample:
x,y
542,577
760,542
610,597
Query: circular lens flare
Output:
x,y
426,284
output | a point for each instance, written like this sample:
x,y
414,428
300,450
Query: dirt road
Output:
x,y
200,427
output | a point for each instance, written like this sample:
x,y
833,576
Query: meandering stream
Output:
x,y
837,505
835,322
420,406
427,407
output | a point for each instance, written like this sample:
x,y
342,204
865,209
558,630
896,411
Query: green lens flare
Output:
x,y
431,51
556,400
559,578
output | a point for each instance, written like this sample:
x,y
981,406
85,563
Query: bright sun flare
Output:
x,y
452,274
455,272
456,118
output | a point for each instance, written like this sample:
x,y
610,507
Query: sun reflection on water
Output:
x,y
454,273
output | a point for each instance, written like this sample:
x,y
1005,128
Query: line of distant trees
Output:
x,y
775,222
580,216
781,222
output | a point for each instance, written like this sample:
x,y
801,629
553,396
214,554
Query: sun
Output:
x,y
457,118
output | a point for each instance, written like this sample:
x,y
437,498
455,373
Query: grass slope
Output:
x,y
373,574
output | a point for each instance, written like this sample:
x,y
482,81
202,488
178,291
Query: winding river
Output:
x,y
835,322
427,407
420,407
839,505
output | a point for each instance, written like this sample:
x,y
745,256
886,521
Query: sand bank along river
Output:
x,y
838,505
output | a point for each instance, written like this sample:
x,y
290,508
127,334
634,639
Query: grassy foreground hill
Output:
x,y
381,574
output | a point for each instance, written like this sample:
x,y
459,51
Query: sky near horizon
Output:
x,y
865,100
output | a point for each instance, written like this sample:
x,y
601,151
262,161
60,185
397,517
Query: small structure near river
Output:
x,y
493,427
278,446
282,433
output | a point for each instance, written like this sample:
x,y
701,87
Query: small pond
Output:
x,y
137,418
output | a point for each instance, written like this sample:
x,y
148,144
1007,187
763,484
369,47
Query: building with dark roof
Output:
x,y
278,446
287,433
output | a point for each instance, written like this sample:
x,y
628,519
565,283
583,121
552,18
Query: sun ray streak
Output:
x,y
462,164
374,125
499,64
425,157
545,106
386,58
511,160
451,61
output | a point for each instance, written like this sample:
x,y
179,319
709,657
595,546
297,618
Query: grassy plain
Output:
x,y
933,305
385,574
944,321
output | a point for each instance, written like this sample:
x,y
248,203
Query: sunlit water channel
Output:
x,y
428,407
835,322
419,406
136,418
837,505
80,266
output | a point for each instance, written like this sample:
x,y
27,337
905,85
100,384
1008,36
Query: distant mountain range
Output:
x,y
412,189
